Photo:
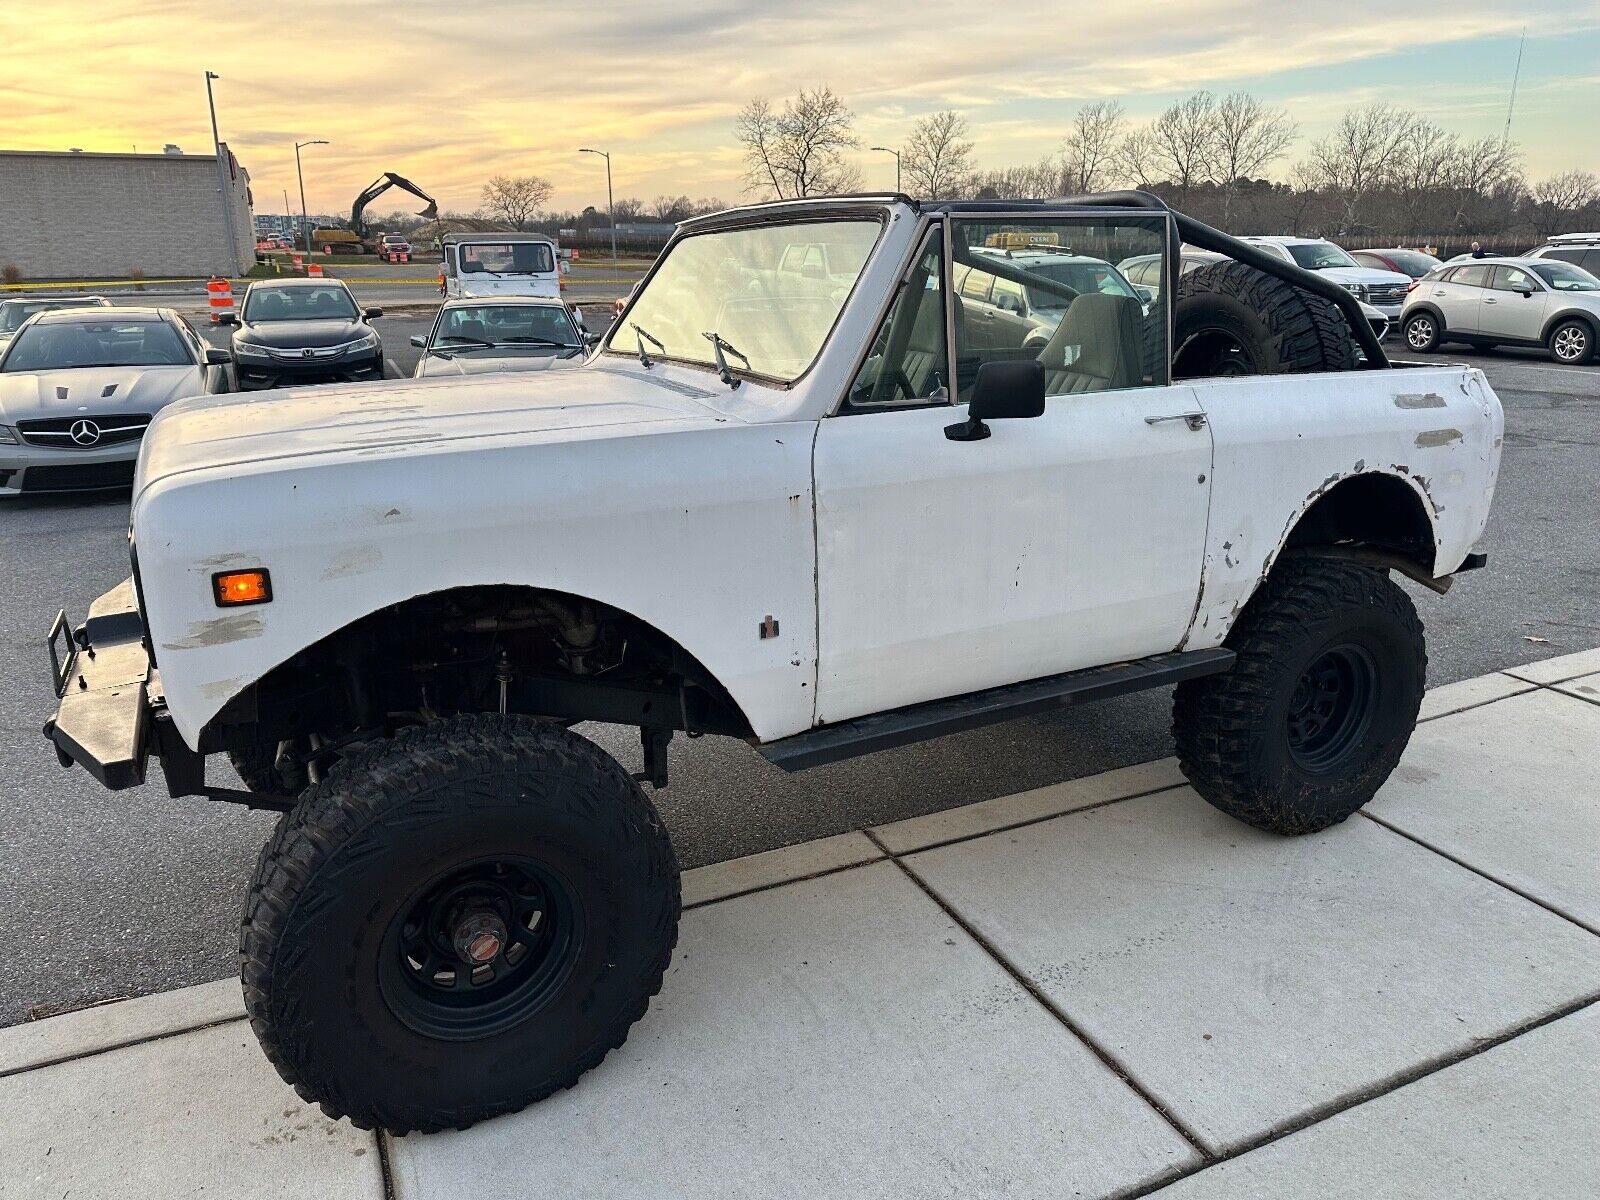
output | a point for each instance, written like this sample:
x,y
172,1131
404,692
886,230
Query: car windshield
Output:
x,y
506,258
1319,256
1079,276
1413,262
505,325
1565,277
331,303
14,312
732,282
64,345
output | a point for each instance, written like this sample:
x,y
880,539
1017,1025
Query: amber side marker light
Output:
x,y
233,588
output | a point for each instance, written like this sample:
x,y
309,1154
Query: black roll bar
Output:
x,y
1199,234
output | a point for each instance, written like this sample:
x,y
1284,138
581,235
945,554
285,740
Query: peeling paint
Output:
x,y
381,514
1438,437
219,631
1419,400
221,690
358,560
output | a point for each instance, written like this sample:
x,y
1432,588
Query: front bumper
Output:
x,y
108,691
260,374
35,470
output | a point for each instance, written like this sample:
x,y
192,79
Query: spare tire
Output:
x,y
1232,319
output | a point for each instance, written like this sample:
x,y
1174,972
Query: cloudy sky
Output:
x,y
451,93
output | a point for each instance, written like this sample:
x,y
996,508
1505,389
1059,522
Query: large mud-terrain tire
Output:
x,y
453,845
1231,319
1319,706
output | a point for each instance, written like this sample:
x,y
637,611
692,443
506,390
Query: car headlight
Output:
x,y
7,438
249,350
1359,290
369,342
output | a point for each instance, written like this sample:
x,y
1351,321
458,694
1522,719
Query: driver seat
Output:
x,y
1105,329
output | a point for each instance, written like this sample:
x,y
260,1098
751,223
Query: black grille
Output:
x,y
110,430
1386,293
78,478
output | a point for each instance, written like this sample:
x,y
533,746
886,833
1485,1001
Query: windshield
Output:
x,y
1319,256
331,303
506,258
14,312
504,324
1413,262
63,345
1565,277
1080,277
733,282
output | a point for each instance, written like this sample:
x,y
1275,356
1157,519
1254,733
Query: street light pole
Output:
x,y
611,204
305,223
224,180
896,154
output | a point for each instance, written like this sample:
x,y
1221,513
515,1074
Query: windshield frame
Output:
x,y
752,220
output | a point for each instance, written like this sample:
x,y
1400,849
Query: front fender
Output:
x,y
701,533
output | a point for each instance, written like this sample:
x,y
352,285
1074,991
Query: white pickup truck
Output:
x,y
827,515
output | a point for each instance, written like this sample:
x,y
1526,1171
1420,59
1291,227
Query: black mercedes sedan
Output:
x,y
303,331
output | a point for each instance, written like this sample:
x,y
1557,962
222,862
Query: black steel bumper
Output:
x,y
104,682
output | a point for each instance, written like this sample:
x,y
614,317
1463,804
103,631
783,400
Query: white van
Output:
x,y
500,264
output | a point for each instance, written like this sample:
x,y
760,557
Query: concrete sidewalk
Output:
x,y
1099,988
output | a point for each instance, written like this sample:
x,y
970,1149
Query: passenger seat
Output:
x,y
1105,330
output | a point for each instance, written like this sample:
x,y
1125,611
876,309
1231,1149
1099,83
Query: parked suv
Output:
x,y
1506,302
1384,290
303,331
1579,249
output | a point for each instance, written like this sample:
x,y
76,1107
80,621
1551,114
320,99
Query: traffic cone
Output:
x,y
219,295
314,270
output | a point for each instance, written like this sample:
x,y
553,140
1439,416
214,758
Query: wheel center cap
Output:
x,y
479,938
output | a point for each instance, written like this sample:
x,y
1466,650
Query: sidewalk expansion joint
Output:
x,y
757,889
1479,872
1394,1084
1108,1059
135,1041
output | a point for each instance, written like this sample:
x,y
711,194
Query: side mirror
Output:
x,y
372,312
218,358
1146,294
591,339
1003,390
419,341
227,318
1527,293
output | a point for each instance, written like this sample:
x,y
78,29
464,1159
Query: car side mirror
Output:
x,y
1527,293
1145,294
1002,391
591,339
218,358
419,341
227,318
372,312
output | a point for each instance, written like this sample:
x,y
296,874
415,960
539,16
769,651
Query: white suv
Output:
x,y
1384,290
1506,302
1579,249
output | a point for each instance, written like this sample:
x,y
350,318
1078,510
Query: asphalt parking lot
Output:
x,y
113,894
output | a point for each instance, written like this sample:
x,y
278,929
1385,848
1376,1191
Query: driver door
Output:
x,y
1069,540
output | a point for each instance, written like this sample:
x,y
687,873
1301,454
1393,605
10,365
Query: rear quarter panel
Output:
x,y
702,532
1281,443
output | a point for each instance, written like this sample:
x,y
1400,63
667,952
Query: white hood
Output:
x,y
1370,276
28,395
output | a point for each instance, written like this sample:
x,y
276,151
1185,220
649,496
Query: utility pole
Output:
x,y
305,223
224,180
896,154
1515,75
611,204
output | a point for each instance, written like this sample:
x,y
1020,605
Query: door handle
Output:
x,y
1439,292
1194,420
1490,300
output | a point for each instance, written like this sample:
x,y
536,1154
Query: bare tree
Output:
x,y
937,157
1557,203
516,199
1356,160
1034,182
1182,138
1485,173
1137,159
799,150
1089,149
1424,160
1247,136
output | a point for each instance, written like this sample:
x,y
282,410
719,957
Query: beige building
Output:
x,y
73,215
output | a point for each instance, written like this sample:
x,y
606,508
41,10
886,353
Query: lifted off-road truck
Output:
x,y
826,512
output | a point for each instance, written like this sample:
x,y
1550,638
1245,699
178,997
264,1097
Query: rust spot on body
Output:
x,y
1419,400
219,631
1438,437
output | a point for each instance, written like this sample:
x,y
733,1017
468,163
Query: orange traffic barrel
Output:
x,y
314,270
219,295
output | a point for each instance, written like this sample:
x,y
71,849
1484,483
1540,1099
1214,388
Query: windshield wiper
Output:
x,y
719,344
643,337
521,340
462,337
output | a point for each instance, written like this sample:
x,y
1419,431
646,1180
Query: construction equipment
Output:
x,y
381,185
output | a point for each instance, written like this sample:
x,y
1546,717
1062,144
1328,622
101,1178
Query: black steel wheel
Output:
x,y
457,922
1320,704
